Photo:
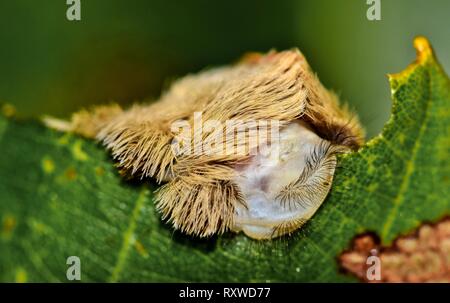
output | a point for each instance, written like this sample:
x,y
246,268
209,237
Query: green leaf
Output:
x,y
61,196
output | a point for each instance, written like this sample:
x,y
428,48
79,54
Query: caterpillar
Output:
x,y
265,173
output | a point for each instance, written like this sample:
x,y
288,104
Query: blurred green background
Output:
x,y
127,51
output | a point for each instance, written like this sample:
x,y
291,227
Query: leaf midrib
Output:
x,y
128,237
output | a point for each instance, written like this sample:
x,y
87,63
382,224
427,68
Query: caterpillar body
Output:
x,y
273,185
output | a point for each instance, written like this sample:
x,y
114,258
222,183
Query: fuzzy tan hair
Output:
x,y
200,196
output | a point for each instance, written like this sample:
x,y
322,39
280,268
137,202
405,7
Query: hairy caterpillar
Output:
x,y
265,191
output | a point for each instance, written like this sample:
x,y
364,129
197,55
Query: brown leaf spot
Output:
x,y
423,256
99,171
70,174
141,249
8,224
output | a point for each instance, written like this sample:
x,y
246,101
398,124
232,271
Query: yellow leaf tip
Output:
x,y
423,48
424,52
